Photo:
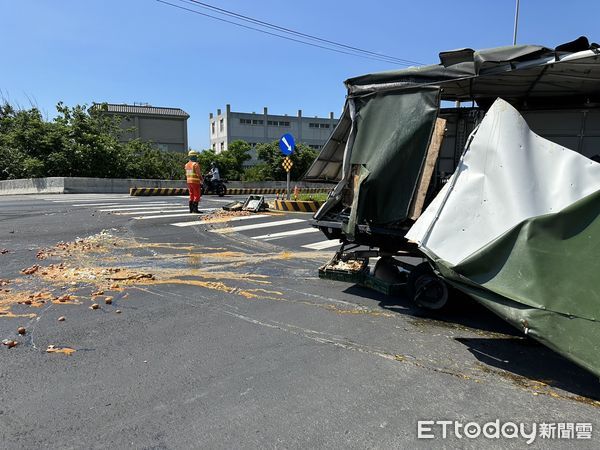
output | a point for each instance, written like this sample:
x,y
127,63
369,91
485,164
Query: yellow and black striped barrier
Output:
x,y
157,191
263,191
230,191
297,206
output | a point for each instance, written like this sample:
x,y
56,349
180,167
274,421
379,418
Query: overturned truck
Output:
x,y
486,165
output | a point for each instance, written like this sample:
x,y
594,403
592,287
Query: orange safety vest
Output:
x,y
192,172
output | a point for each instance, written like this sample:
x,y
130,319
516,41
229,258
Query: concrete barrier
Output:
x,y
297,205
53,185
74,185
147,192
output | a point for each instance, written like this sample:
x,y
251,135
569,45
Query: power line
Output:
x,y
382,58
298,33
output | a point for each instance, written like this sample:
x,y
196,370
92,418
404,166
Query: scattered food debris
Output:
x,y
138,276
95,306
4,282
118,311
4,251
94,294
30,270
10,343
223,216
21,330
108,300
55,349
353,265
61,319
65,298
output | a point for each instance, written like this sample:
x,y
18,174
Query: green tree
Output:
x,y
260,172
230,162
79,142
302,158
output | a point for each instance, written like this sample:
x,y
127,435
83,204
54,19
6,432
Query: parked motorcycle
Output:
x,y
211,186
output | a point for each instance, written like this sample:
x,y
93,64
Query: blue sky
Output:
x,y
81,51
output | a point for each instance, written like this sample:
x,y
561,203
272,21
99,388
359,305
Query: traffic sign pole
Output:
x,y
287,144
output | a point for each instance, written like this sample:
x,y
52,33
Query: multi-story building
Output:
x,y
166,128
262,128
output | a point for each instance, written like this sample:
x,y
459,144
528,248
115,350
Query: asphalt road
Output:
x,y
236,343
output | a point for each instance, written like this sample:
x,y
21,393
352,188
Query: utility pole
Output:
x,y
516,23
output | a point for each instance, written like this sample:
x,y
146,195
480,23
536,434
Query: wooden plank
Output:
x,y
433,152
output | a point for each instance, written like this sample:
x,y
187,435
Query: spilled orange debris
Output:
x,y
64,350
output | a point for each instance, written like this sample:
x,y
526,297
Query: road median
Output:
x,y
297,205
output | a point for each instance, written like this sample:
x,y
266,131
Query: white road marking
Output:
x,y
161,216
255,226
152,211
69,196
204,222
97,204
138,207
217,200
273,236
118,203
94,199
323,245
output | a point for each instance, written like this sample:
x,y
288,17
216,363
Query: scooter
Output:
x,y
217,187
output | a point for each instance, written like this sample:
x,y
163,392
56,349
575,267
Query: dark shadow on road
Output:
x,y
528,359
511,355
461,310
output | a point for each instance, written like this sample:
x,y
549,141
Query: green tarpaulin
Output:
x,y
518,228
392,133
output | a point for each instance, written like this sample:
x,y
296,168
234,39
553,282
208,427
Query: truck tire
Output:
x,y
426,289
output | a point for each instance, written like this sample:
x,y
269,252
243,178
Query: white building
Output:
x,y
262,128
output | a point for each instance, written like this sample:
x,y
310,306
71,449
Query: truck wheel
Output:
x,y
426,289
387,271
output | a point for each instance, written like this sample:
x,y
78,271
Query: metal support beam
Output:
x,y
516,23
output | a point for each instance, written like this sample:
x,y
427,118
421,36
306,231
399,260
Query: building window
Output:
x,y
278,123
324,125
214,146
220,124
213,127
318,125
222,146
252,121
316,147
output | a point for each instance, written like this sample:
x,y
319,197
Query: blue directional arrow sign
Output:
x,y
286,144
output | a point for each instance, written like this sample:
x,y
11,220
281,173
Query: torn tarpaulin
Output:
x,y
518,228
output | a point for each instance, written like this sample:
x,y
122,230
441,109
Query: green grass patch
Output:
x,y
317,197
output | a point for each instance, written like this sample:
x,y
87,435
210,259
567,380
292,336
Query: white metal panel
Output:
x,y
508,174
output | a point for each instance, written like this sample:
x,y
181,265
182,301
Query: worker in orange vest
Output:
x,y
193,177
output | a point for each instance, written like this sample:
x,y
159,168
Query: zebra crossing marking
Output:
x,y
257,226
282,234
